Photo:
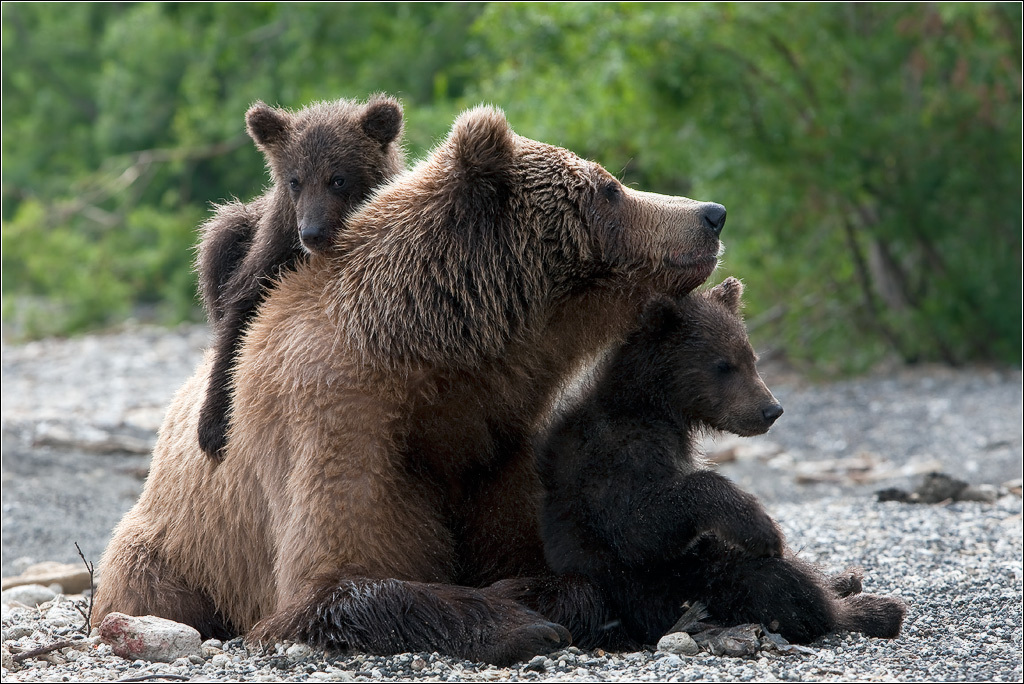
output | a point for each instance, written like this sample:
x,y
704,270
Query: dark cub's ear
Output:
x,y
382,121
729,292
267,126
483,144
661,316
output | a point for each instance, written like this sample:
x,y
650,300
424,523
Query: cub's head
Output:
x,y
328,157
699,346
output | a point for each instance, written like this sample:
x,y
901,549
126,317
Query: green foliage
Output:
x,y
869,154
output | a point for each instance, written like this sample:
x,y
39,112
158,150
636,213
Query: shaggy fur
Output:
x,y
630,508
380,451
324,161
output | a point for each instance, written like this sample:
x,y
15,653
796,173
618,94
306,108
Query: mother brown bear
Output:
x,y
379,464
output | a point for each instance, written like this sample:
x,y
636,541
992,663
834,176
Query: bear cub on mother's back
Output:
x,y
324,161
633,518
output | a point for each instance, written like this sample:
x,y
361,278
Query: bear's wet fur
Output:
x,y
637,524
324,161
379,473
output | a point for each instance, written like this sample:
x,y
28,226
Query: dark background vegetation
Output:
x,y
869,155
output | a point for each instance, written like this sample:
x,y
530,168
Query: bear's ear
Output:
x,y
382,121
729,293
268,126
483,143
661,316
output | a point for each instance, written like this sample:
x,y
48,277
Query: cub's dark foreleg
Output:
x,y
226,239
243,294
388,616
650,523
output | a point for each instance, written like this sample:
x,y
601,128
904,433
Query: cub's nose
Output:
x,y
713,217
772,413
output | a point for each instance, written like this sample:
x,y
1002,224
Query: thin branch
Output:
x,y
43,650
92,590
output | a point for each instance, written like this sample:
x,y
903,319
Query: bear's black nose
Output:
x,y
713,216
772,413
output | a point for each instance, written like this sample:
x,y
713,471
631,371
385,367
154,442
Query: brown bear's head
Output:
x,y
574,216
328,158
484,237
694,354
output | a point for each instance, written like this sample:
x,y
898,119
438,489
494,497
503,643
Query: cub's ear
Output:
x,y
661,316
382,121
729,292
267,126
483,143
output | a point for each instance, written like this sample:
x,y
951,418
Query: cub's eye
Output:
x,y
724,367
337,183
611,191
294,184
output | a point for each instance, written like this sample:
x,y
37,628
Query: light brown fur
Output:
x,y
386,394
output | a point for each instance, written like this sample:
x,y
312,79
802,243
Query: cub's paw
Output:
x,y
755,532
847,583
213,434
872,615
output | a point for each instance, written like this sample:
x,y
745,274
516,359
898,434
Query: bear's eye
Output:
x,y
724,367
337,183
294,184
611,191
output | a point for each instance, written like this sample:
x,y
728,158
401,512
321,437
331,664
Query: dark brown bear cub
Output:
x,y
636,524
324,161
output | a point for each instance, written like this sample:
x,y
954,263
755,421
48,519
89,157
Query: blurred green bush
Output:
x,y
869,154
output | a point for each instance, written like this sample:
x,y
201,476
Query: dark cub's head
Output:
x,y
329,157
696,355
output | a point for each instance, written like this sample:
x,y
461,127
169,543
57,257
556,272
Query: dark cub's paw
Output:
x,y
872,615
847,583
754,531
213,432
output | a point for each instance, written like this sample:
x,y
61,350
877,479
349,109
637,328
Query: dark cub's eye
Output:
x,y
611,191
337,183
724,367
294,184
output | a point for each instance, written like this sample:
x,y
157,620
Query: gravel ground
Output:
x,y
79,417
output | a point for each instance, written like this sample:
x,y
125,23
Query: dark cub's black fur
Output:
x,y
635,524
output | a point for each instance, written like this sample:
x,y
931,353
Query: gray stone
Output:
x,y
150,638
27,595
297,652
679,643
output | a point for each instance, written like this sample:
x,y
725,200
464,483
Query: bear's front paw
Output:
x,y
756,533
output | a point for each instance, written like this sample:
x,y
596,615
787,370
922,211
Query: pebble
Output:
x,y
678,643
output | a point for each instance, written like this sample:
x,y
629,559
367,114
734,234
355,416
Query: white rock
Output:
x,y
27,595
299,652
150,638
679,643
